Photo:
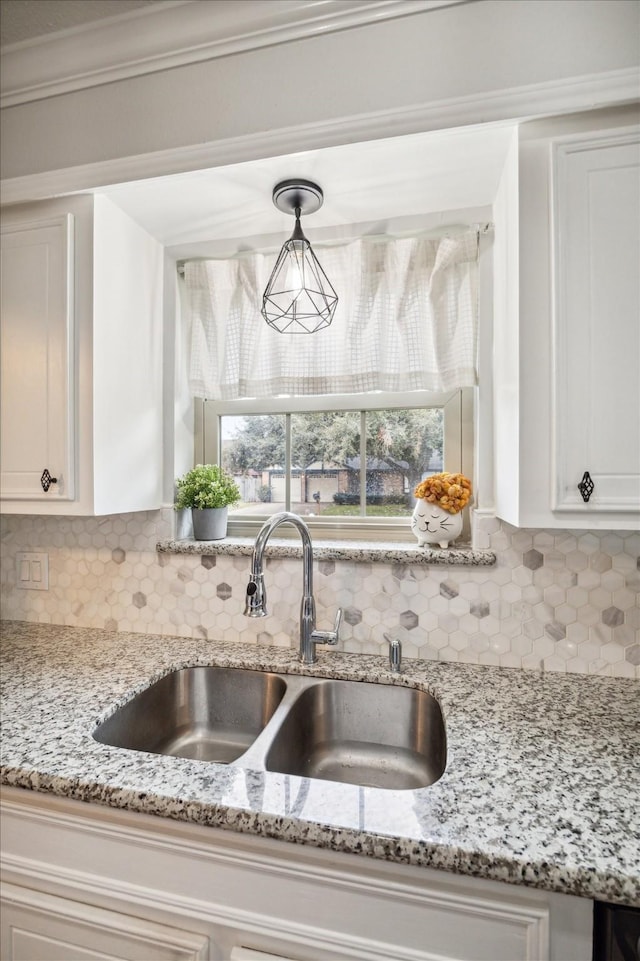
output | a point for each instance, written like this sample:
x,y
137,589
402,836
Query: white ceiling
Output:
x,y
402,183
387,185
26,19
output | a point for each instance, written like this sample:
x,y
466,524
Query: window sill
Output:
x,y
385,552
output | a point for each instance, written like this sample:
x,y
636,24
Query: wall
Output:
x,y
556,600
469,63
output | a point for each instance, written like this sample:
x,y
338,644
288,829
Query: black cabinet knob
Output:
x,y
47,480
586,486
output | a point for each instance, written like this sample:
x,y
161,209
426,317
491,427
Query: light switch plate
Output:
x,y
32,571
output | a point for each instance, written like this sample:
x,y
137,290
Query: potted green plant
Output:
x,y
208,490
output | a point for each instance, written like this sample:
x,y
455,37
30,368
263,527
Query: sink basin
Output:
x,y
204,713
373,735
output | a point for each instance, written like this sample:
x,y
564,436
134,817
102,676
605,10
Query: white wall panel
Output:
x,y
470,57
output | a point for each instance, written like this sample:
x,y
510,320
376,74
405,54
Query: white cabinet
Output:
x,y
43,927
255,897
37,357
81,359
597,324
567,337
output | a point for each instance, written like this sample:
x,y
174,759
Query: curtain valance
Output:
x,y
406,320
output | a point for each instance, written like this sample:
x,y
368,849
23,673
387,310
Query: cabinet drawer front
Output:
x,y
36,926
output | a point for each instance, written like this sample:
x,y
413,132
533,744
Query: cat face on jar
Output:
x,y
433,525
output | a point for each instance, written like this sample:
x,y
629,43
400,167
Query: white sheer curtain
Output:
x,y
406,320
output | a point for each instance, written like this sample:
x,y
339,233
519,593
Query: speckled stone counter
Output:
x,y
363,551
541,786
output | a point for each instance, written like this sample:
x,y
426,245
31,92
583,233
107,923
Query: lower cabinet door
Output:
x,y
41,927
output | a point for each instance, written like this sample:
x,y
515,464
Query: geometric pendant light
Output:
x,y
299,298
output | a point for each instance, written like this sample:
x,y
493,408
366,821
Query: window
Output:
x,y
404,339
347,463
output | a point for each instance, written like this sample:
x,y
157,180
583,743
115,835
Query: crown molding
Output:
x,y
174,35
517,104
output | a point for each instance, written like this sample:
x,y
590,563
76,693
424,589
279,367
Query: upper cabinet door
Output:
x,y
82,361
37,360
597,325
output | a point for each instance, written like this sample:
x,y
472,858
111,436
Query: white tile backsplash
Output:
x,y
556,600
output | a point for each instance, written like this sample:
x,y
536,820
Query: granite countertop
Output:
x,y
386,552
541,786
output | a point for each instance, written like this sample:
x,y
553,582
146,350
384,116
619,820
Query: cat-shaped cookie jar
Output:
x,y
437,516
433,525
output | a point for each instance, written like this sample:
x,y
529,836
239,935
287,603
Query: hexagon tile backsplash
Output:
x,y
556,600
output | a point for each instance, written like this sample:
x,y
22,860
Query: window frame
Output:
x,y
459,410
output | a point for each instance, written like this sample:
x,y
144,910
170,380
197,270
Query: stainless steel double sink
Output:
x,y
374,735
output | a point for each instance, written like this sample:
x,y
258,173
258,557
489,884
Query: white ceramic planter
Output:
x,y
209,524
433,525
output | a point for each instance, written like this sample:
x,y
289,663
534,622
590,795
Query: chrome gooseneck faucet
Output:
x,y
256,601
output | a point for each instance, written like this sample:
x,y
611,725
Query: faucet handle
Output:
x,y
329,637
